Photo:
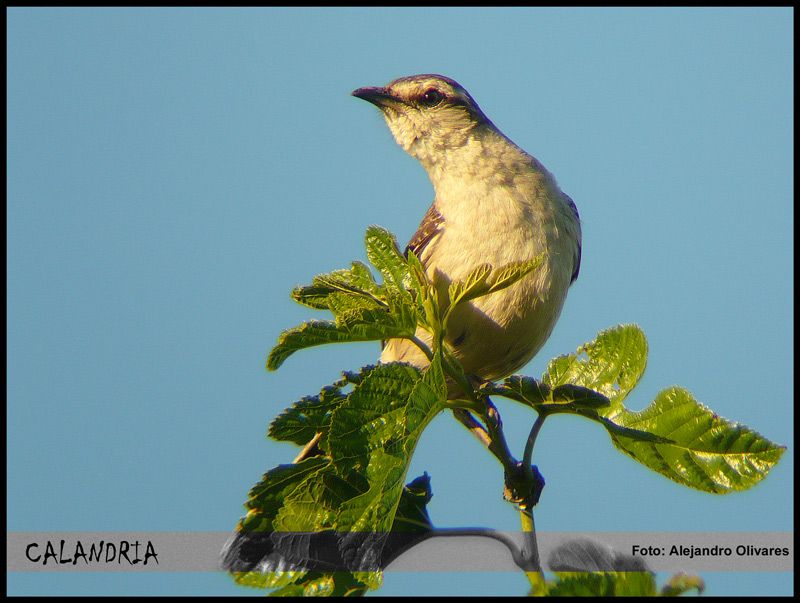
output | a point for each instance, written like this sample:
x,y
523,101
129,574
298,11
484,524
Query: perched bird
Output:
x,y
493,204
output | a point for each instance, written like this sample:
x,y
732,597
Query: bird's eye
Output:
x,y
431,98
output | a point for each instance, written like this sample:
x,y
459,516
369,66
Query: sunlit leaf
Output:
x,y
706,452
314,333
510,274
383,253
682,583
675,436
356,282
472,286
612,365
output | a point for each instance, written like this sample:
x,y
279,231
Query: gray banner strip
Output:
x,y
200,551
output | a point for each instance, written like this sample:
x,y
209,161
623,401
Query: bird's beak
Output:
x,y
378,96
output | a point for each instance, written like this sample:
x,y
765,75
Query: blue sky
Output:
x,y
173,173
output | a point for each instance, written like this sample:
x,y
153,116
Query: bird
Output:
x,y
493,203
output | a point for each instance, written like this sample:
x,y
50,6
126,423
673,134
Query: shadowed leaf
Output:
x,y
352,498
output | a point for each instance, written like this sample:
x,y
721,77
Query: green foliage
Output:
x,y
675,436
483,281
363,309
618,584
311,415
706,452
584,567
367,424
682,583
357,487
603,584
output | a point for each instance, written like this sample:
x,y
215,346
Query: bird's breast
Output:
x,y
499,333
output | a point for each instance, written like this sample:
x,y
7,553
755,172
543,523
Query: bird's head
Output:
x,y
428,115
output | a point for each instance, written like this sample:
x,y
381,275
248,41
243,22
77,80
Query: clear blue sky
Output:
x,y
173,173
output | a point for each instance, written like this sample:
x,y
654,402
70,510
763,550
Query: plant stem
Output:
x,y
535,577
531,554
499,446
421,345
528,455
308,448
493,438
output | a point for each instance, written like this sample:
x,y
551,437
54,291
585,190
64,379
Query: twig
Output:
x,y
422,346
526,509
491,435
528,455
308,448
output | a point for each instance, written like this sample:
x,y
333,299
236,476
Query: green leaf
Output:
x,y
675,435
434,378
374,415
308,334
423,291
358,277
539,395
374,433
575,397
483,280
564,399
603,584
681,583
411,525
706,452
365,324
265,501
304,419
267,497
364,310
384,254
356,282
412,510
471,287
340,303
612,365
319,584
354,324
312,296
510,274
419,279
356,491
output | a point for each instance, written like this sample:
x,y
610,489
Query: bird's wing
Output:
x,y
577,261
430,226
